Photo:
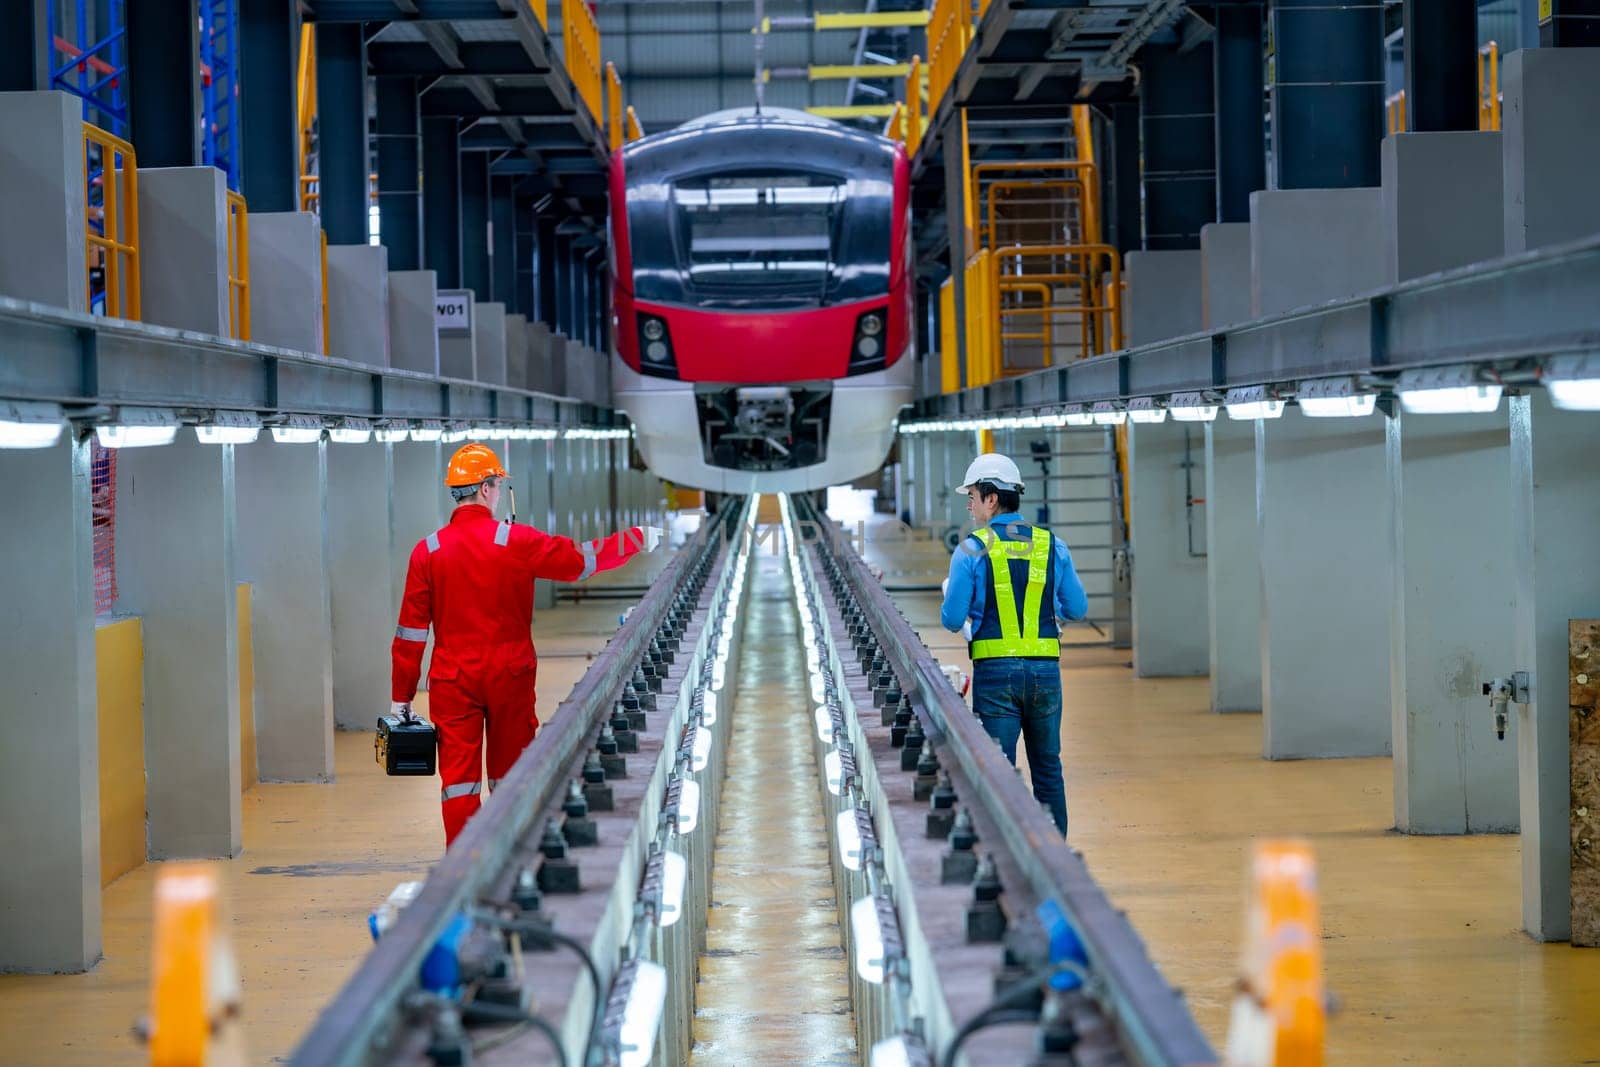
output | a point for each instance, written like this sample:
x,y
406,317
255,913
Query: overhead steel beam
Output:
x,y
413,11
511,100
87,362
489,59
1471,315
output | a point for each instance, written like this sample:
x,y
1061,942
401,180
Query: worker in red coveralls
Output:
x,y
472,581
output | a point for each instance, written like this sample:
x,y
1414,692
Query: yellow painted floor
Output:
x,y
316,860
1423,943
1422,935
774,983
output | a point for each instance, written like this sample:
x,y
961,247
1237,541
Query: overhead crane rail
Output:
x,y
596,846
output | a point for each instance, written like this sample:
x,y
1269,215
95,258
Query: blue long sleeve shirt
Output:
x,y
968,589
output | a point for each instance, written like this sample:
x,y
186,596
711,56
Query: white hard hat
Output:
x,y
995,469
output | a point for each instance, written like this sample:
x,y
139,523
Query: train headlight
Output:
x,y
867,346
655,348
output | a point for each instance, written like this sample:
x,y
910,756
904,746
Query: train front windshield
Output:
x,y
753,237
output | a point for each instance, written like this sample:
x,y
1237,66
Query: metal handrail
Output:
x,y
238,267
996,189
635,131
541,11
1149,1013
344,1032
1086,173
118,236
1111,307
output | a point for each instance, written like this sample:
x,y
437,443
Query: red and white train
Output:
x,y
764,300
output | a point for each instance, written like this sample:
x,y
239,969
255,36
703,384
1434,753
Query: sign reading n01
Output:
x,y
452,312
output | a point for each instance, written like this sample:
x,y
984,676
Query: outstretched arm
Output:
x,y
563,560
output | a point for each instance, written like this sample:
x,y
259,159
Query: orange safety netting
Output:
x,y
103,503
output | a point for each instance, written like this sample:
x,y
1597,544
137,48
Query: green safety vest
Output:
x,y
1011,641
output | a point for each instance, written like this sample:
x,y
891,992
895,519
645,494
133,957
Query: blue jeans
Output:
x,y
1022,697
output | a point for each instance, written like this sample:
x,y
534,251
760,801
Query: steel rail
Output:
x,y
345,1032
1150,1014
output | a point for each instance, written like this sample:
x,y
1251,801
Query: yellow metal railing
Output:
x,y
983,323
614,107
949,369
238,267
949,33
915,82
1079,172
634,131
306,96
1489,86
1090,269
897,124
114,245
1489,96
1394,110
541,11
580,38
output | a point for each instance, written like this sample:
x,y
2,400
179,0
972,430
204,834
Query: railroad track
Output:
x,y
565,924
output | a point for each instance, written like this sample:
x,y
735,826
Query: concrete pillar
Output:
x,y
1451,591
50,882
1167,535
286,280
42,213
1168,548
1439,189
1164,295
183,249
358,303
1345,226
361,560
458,348
1233,566
175,569
1224,274
283,552
517,351
1323,515
1233,578
1555,509
418,504
413,338
489,343
1551,153
539,507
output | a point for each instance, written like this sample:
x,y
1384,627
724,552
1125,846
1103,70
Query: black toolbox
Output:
x,y
406,744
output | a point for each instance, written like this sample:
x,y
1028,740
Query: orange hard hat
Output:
x,y
472,464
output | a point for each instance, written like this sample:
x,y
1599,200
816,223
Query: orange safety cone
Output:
x,y
194,988
1280,1013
